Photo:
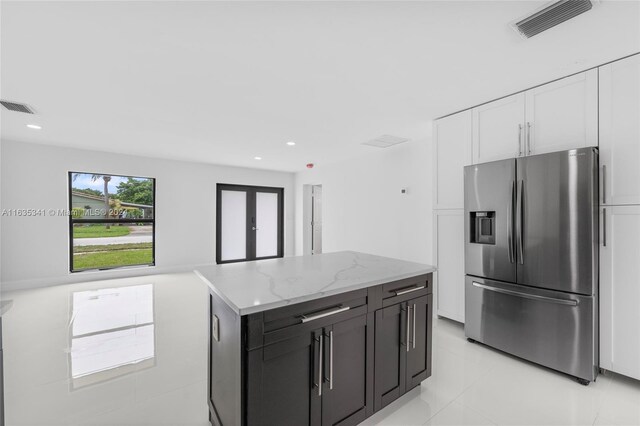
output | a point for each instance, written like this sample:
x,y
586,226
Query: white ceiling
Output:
x,y
222,82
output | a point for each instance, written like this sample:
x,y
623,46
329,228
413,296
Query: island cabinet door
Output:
x,y
283,381
390,354
347,391
419,353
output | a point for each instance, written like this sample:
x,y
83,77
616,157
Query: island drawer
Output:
x,y
399,291
271,326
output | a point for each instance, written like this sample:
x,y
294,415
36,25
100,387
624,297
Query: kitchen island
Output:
x,y
315,340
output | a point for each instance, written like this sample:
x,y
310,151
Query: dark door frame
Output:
x,y
251,218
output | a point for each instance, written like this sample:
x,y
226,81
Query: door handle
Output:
x,y
510,222
254,228
414,326
519,140
526,295
409,290
331,359
604,227
408,325
528,138
520,222
339,309
318,381
604,184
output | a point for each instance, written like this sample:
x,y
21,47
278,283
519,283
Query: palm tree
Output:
x,y
106,180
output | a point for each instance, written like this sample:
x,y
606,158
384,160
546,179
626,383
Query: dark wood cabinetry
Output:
x,y
328,362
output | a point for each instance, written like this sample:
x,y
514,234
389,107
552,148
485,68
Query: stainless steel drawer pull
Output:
x,y
331,359
408,290
306,318
320,366
414,326
408,325
526,295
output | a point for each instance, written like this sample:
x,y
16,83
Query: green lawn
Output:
x,y
105,256
99,231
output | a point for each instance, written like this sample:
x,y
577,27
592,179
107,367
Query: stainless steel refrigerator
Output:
x,y
531,258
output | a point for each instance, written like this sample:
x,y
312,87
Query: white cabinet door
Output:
x,y
620,131
452,151
449,259
497,129
620,291
563,114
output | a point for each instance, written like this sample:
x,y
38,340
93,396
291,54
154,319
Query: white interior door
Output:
x,y
316,220
563,114
619,290
497,129
620,131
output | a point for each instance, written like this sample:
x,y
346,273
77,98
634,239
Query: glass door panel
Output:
x,y
233,229
266,224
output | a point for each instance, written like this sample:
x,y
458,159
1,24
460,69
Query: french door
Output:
x,y
249,224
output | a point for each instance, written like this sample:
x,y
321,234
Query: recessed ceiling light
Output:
x,y
257,158
34,126
292,143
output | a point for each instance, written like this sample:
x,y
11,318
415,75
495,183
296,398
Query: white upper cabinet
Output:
x,y
620,131
452,151
552,117
619,290
562,114
497,129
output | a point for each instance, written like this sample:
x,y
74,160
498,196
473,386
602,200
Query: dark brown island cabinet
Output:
x,y
329,361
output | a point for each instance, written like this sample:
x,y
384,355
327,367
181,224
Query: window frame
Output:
x,y
250,241
72,221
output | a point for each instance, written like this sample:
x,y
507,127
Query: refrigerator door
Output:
x,y
557,221
489,197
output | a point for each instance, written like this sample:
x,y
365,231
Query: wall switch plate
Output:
x,y
215,328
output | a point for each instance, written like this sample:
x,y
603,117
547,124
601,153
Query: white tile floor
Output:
x,y
471,384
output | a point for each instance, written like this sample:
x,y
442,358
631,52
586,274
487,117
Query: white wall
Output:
x,y
363,208
35,250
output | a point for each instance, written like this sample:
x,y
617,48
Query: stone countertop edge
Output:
x,y
316,295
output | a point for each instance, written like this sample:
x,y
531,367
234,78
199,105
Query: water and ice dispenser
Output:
x,y
483,227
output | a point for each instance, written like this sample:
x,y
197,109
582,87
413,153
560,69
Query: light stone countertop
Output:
x,y
261,285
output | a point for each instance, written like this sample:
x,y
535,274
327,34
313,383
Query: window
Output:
x,y
111,221
249,223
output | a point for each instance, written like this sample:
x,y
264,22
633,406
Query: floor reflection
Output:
x,y
112,333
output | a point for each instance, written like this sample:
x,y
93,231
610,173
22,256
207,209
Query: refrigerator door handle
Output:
x,y
520,222
604,227
569,302
510,222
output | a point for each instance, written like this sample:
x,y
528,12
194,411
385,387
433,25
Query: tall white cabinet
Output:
x,y
620,216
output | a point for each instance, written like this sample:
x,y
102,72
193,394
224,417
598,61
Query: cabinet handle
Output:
x,y
305,318
528,138
409,290
604,227
320,366
604,184
408,325
519,140
331,359
414,326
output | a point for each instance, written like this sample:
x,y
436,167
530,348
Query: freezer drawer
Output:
x,y
546,327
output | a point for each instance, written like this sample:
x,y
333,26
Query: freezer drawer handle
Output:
x,y
305,318
527,296
409,290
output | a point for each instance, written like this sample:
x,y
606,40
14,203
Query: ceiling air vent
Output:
x,y
14,106
385,141
552,15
